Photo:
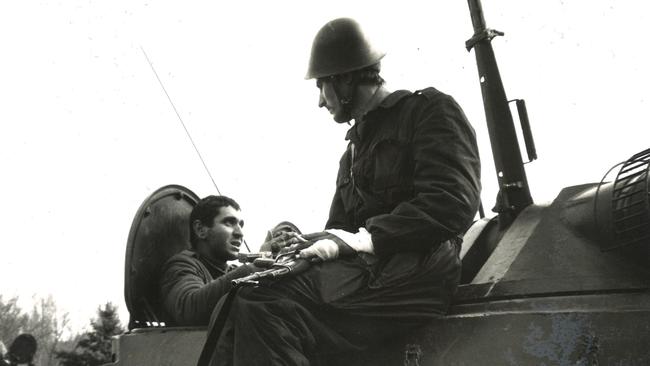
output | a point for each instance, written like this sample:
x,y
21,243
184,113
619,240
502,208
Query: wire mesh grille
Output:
x,y
631,202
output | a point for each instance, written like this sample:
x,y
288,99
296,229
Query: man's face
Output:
x,y
225,236
329,99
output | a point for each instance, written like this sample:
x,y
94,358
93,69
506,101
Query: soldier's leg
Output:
x,y
410,285
341,306
280,324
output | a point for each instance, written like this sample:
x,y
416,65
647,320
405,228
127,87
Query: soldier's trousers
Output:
x,y
337,307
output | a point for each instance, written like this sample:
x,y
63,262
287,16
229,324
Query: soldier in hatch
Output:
x,y
407,188
194,280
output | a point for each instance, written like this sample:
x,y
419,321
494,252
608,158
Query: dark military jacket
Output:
x,y
191,286
410,174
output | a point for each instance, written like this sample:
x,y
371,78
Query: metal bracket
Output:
x,y
480,36
517,184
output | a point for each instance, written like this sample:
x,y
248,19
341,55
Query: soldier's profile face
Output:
x,y
329,99
225,236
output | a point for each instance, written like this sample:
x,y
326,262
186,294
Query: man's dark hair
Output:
x,y
206,210
369,75
22,349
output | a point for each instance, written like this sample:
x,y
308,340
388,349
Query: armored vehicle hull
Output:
x,y
544,294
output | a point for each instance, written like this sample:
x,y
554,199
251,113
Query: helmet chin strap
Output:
x,y
345,99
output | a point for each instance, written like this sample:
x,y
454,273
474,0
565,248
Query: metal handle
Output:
x,y
526,131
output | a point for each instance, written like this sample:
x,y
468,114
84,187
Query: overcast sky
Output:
x,y
87,133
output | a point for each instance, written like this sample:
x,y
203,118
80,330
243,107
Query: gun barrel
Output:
x,y
277,271
476,12
255,278
513,184
251,257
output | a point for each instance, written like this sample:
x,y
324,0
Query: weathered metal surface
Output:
x,y
160,229
177,346
608,329
543,254
510,245
572,330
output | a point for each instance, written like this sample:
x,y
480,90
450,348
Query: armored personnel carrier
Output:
x,y
563,283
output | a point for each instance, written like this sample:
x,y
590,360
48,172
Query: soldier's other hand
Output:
x,y
282,240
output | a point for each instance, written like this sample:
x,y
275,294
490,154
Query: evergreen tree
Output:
x,y
94,346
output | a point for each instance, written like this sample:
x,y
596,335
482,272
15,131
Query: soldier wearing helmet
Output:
x,y
407,188
346,68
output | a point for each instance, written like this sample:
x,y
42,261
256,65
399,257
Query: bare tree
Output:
x,y
12,319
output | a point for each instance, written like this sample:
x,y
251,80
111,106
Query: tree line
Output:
x,y
50,328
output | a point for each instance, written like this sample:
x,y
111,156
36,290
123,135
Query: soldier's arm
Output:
x,y
190,301
446,182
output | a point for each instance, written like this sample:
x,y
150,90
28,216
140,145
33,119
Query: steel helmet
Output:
x,y
339,47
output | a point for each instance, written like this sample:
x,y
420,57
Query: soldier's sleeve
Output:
x,y
187,298
446,181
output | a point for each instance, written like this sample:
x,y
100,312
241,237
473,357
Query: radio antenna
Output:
x,y
181,120
187,132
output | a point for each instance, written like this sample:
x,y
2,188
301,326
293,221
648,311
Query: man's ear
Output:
x,y
200,230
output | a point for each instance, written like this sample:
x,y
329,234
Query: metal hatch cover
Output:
x,y
159,230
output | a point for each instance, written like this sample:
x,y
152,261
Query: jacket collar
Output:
x,y
354,133
393,98
216,269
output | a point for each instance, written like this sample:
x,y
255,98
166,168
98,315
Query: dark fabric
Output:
x,y
216,327
410,174
337,307
411,177
191,286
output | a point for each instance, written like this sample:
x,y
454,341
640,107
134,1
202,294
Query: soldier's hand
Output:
x,y
285,239
327,249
